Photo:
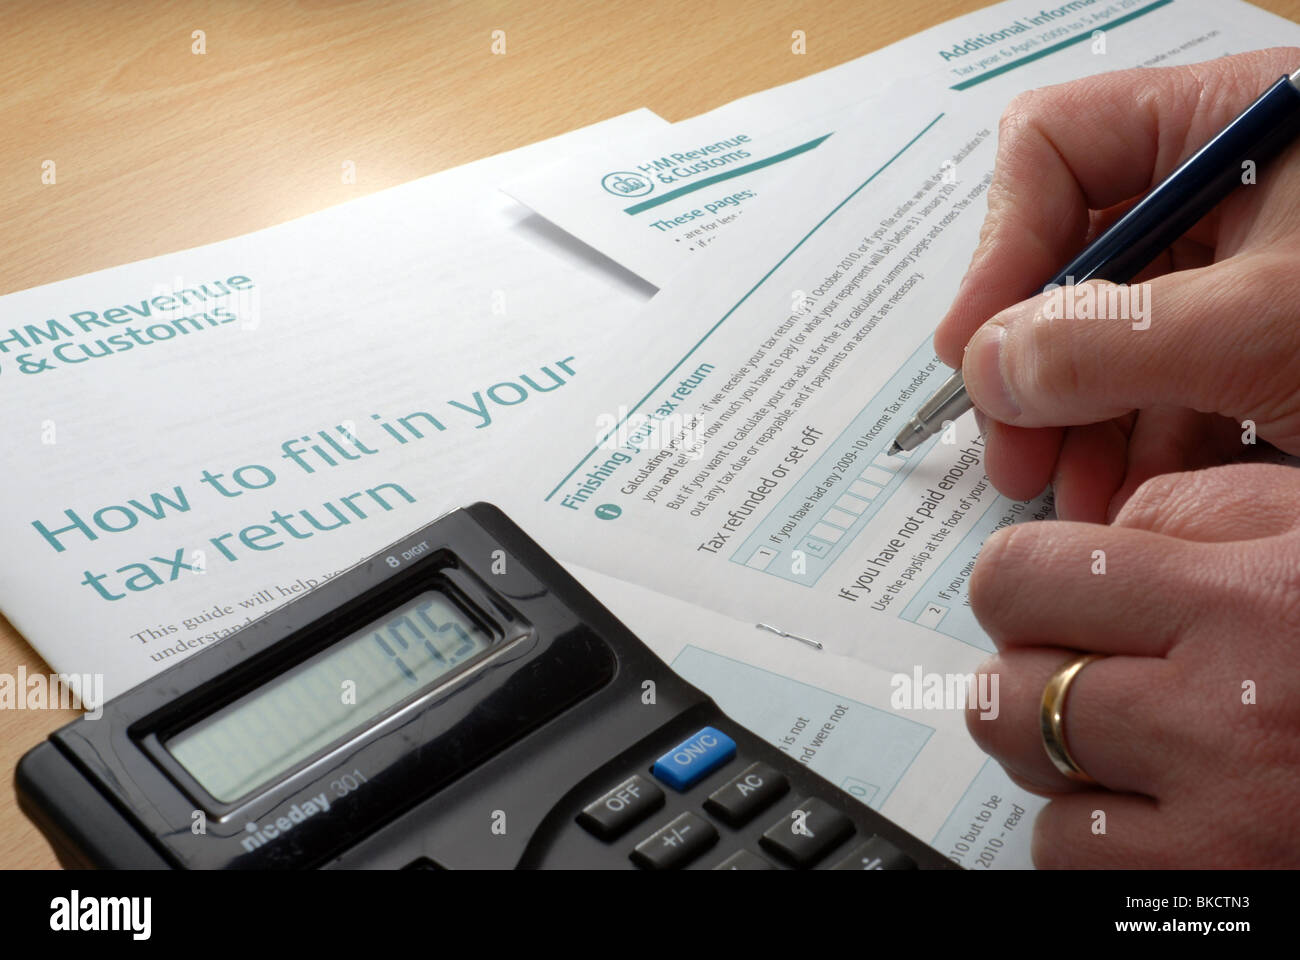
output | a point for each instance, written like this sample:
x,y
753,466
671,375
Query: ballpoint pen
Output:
x,y
1150,227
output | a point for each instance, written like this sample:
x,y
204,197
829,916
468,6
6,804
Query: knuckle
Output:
x,y
1273,585
992,218
1047,846
979,729
983,729
1246,70
1019,129
1020,137
1045,362
1022,110
1261,383
1175,501
1149,503
994,581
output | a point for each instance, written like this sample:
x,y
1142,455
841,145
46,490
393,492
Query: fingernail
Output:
x,y
983,372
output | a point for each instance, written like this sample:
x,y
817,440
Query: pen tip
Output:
x,y
894,449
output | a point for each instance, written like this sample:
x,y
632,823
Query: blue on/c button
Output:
x,y
695,758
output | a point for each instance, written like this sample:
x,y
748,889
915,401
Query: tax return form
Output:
x,y
655,202
746,469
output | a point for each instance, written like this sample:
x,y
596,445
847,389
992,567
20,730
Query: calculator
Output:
x,y
457,701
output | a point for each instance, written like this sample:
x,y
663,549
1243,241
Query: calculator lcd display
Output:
x,y
340,690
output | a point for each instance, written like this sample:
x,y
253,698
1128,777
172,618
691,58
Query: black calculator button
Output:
x,y
742,799
804,839
744,860
877,854
622,808
684,839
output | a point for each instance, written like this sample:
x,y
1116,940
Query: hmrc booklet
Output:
x,y
194,439
656,202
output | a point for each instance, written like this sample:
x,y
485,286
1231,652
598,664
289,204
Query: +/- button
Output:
x,y
623,807
810,831
738,802
684,839
694,759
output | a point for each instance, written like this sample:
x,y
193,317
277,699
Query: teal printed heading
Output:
x,y
690,163
46,346
1021,25
322,451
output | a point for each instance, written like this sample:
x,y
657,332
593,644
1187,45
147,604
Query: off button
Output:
x,y
694,759
617,811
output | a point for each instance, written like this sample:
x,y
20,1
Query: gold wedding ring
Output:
x,y
1052,717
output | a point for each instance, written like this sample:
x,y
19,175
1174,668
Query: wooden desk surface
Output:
x,y
158,149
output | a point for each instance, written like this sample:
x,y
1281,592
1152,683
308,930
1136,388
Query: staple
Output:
x,y
793,636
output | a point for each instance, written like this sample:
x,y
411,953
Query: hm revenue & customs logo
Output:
x,y
624,184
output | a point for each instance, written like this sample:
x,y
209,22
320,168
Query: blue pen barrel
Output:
x,y
1190,192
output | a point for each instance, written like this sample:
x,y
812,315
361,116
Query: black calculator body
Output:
x,y
500,717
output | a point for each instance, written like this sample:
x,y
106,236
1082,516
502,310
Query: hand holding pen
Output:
x,y
1147,666
1098,406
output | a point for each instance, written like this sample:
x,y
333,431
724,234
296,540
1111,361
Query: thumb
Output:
x,y
1219,339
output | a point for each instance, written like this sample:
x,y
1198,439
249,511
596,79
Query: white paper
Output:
x,y
396,305
833,714
746,475
658,201
910,76
746,470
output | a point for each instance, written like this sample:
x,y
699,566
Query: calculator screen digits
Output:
x,y
342,689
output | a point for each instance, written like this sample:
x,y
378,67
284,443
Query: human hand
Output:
x,y
1095,406
1197,612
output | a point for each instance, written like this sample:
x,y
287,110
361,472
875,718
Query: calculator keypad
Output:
x,y
726,809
